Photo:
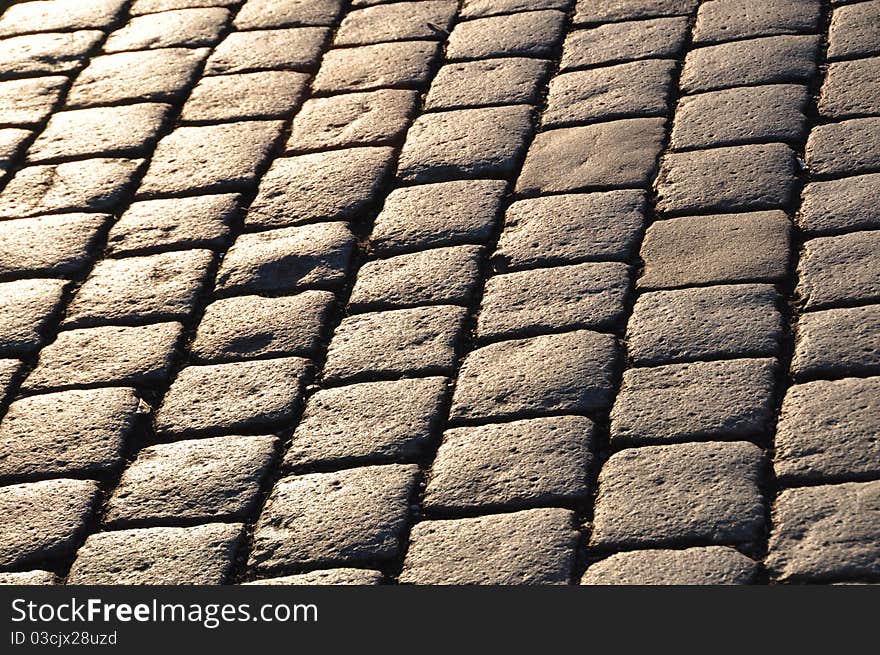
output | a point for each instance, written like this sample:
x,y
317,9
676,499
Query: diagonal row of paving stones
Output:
x,y
439,292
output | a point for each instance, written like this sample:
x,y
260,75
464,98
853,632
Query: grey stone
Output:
x,y
624,41
682,494
346,517
9,370
29,101
729,20
46,16
259,14
571,372
852,31
370,422
532,34
44,520
106,355
751,247
616,153
325,577
264,94
851,88
87,434
30,578
724,400
840,270
845,148
26,309
589,11
482,8
249,327
202,555
141,7
738,320
826,533
288,49
542,461
401,64
180,27
504,81
828,431
397,342
707,565
840,205
224,398
838,343
398,21
531,547
46,54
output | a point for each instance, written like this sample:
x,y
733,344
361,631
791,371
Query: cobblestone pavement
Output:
x,y
480,291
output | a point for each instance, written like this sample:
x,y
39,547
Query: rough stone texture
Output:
x,y
405,63
48,15
572,228
201,555
69,433
437,276
264,94
845,148
46,54
161,287
140,7
182,27
707,565
28,101
840,270
26,246
624,41
571,372
724,400
768,60
482,142
682,494
432,215
530,547
332,185
483,8
504,81
9,369
729,20
827,532
752,247
341,518
106,355
396,22
250,327
590,295
11,143
739,320
44,520
638,88
326,577
852,32
369,422
838,343
398,342
589,11
739,178
259,14
840,205
851,88
287,259
617,153
26,307
201,480
224,398
532,34
542,461
291,49
29,578
828,431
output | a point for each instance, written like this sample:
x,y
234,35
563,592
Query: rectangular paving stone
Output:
x,y
46,54
260,95
49,15
161,287
199,480
827,432
51,245
542,461
175,223
845,148
483,8
401,64
104,356
589,11
332,185
838,343
768,60
694,494
738,178
503,81
386,421
826,533
638,88
702,565
398,21
225,398
439,276
77,433
619,153
571,372
525,303
619,42
421,340
29,101
44,520
724,248
571,228
288,259
176,28
295,49
485,142
26,309
28,578
531,547
260,14
342,518
724,400
840,205
147,76
774,112
736,320
341,576
532,34
850,89
140,7
201,555
729,20
433,215
839,270
852,30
